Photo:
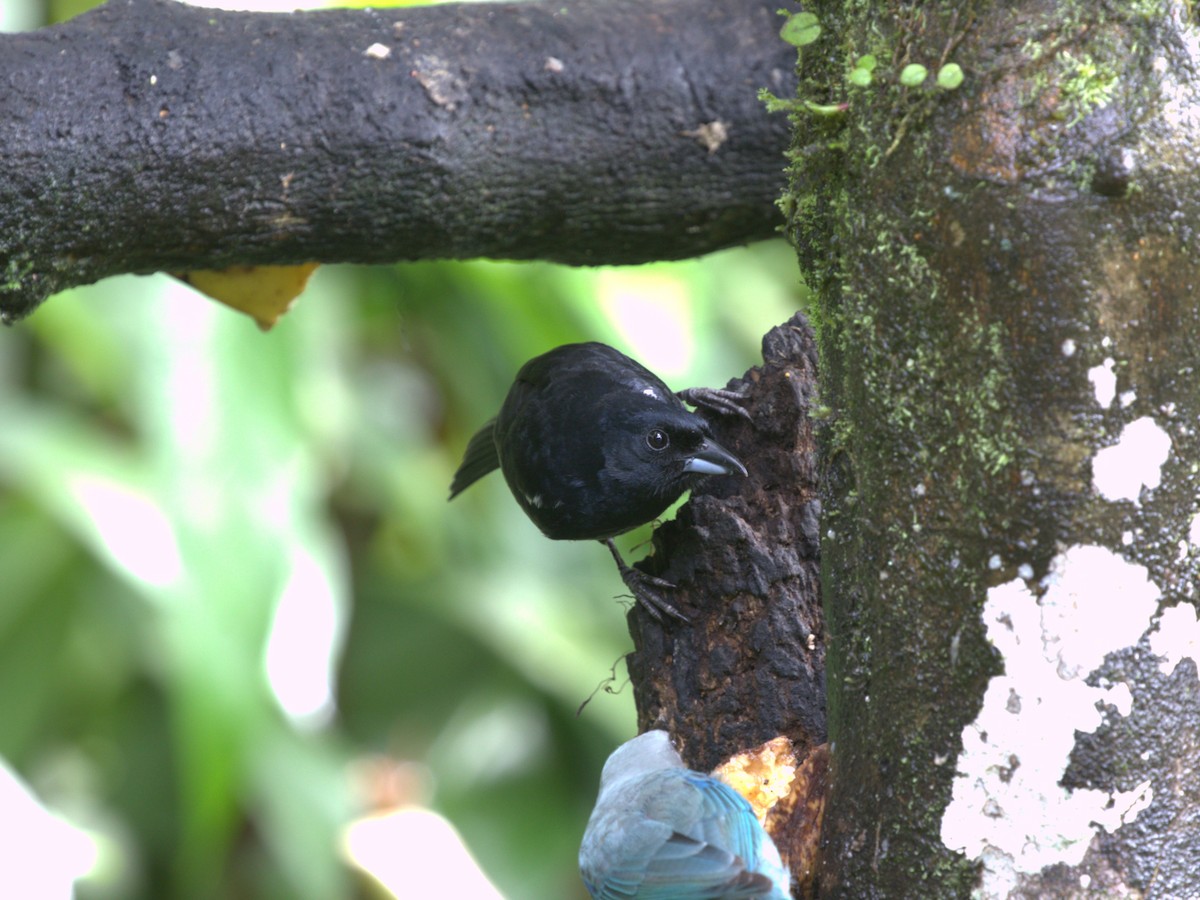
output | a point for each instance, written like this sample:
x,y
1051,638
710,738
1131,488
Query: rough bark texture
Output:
x,y
1007,276
148,135
743,553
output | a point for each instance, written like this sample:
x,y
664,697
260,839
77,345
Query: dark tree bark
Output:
x,y
749,665
149,136
743,554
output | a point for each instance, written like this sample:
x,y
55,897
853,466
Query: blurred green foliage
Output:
x,y
172,481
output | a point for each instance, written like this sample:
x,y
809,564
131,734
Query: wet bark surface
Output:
x,y
150,135
1006,275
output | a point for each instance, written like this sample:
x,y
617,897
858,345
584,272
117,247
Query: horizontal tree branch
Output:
x,y
147,135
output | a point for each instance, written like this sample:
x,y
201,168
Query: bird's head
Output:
x,y
648,752
659,451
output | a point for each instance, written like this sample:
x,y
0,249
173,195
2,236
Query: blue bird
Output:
x,y
661,831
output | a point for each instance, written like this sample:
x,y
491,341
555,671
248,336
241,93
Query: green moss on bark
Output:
x,y
948,237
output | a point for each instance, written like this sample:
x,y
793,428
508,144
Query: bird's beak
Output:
x,y
713,459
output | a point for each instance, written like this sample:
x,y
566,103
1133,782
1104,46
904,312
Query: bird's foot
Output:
x,y
647,589
719,400
649,592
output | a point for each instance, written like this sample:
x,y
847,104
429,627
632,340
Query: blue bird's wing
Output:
x,y
697,840
726,818
688,869
683,869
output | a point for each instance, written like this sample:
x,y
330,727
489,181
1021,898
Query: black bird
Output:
x,y
593,444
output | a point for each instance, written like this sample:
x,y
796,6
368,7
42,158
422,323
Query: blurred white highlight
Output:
x,y
303,645
43,854
651,313
131,529
416,853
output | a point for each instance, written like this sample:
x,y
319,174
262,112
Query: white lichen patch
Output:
x,y
1104,381
1121,471
1008,808
1177,636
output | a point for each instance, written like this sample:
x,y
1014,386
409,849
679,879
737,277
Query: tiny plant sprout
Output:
x,y
949,76
913,74
860,75
826,109
801,29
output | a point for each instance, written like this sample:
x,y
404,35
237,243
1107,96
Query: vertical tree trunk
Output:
x,y
1010,347
749,666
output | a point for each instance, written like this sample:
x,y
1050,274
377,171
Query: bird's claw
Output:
x,y
719,400
646,589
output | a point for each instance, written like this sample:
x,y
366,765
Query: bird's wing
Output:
x,y
479,459
726,819
659,862
684,869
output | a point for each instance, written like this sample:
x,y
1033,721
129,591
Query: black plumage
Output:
x,y
593,444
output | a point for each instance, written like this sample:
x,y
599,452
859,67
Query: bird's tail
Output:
x,y
479,459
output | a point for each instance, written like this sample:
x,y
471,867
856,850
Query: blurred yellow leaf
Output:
x,y
264,293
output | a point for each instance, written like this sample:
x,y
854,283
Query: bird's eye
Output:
x,y
657,439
